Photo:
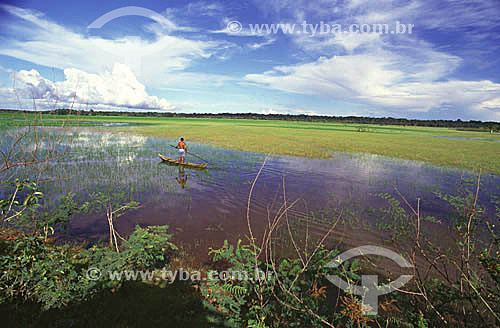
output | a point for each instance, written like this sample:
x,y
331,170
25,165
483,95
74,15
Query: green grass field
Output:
x,y
317,140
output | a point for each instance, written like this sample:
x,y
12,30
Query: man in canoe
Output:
x,y
182,150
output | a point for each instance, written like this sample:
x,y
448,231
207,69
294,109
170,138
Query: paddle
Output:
x,y
191,154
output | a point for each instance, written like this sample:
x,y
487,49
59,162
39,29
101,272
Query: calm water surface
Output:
x,y
204,207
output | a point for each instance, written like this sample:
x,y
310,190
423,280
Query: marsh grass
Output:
x,y
320,140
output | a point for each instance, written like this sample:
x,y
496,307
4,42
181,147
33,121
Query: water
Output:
x,y
204,207
464,138
77,123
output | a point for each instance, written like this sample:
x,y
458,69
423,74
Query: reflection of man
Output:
x,y
182,178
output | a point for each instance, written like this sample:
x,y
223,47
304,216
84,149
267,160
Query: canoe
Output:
x,y
175,162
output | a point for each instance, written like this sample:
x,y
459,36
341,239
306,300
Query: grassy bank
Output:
x,y
318,140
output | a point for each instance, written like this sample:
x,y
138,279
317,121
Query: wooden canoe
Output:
x,y
173,161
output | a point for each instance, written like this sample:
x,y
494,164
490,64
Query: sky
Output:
x,y
431,60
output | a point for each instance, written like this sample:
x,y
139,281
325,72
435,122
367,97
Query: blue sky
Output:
x,y
181,56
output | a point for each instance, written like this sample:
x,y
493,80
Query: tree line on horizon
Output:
x,y
458,123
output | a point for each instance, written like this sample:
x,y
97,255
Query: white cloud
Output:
x,y
283,110
341,42
384,81
298,8
204,8
116,88
257,45
491,104
392,73
197,8
244,32
49,44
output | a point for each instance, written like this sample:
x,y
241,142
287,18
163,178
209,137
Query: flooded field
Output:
x,y
205,207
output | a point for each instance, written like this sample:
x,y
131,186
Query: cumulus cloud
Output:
x,y
116,88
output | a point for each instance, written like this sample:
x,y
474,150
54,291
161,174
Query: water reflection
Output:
x,y
208,206
464,138
182,178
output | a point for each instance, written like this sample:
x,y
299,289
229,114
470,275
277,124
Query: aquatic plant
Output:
x,y
36,270
456,274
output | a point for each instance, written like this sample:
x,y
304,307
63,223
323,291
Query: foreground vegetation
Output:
x,y
43,283
316,140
